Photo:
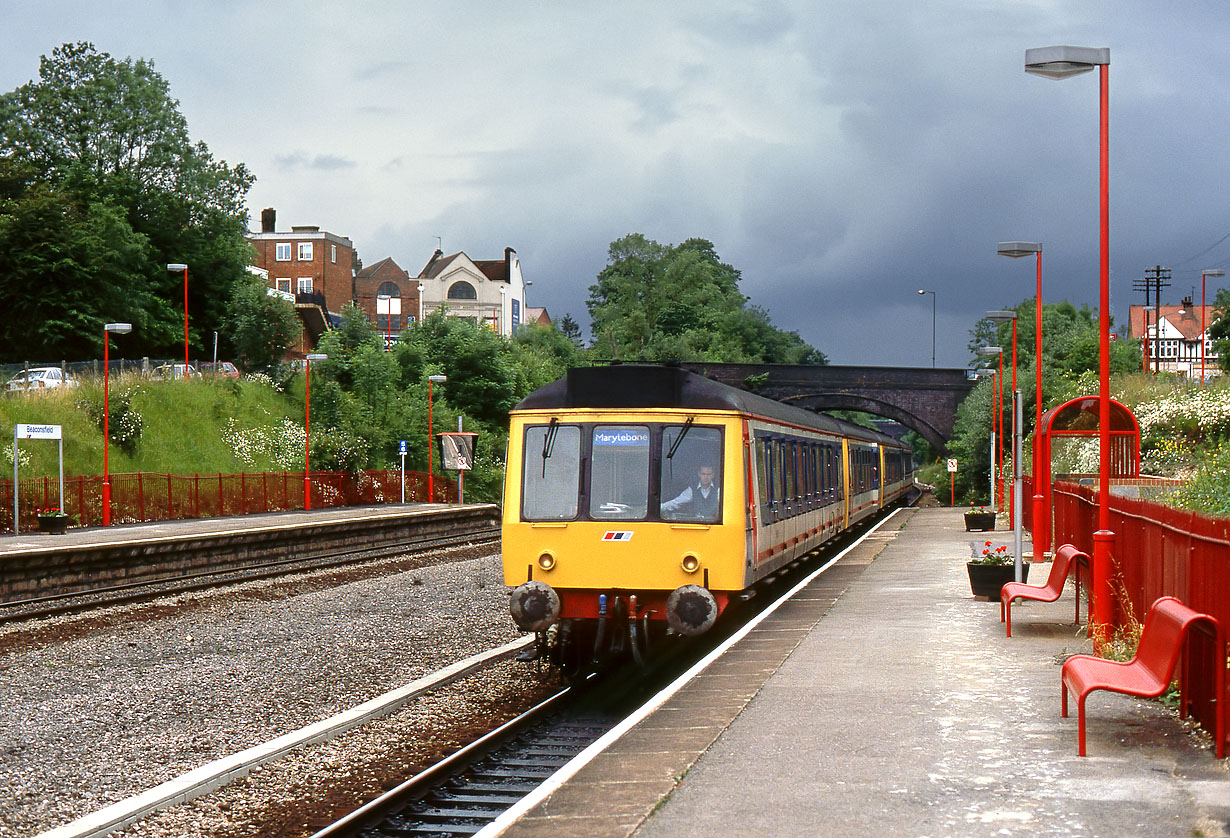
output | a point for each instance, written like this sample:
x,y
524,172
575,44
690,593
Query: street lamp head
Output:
x,y
177,267
383,297
1001,315
118,328
437,378
922,290
316,356
989,350
1214,272
1064,61
1016,250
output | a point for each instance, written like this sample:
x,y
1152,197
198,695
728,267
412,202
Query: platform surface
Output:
x,y
888,702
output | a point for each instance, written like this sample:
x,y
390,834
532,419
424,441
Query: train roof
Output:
x,y
644,386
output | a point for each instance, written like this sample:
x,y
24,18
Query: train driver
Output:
x,y
700,501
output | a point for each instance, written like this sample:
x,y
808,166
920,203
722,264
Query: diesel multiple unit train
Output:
x,y
642,498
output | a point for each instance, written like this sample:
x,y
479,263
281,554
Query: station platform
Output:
x,y
885,700
83,558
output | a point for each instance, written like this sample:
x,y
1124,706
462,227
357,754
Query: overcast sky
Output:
x,y
841,154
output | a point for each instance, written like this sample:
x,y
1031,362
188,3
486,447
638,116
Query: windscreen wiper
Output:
x,y
687,426
548,443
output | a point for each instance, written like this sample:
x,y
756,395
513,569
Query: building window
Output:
x,y
462,290
333,253
305,284
305,251
282,251
283,284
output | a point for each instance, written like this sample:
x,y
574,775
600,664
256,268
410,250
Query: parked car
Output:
x,y
40,378
221,369
175,371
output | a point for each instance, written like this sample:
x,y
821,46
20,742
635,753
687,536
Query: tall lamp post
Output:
x,y
307,425
1060,62
932,293
997,399
431,485
1000,316
119,329
1204,275
1041,530
175,268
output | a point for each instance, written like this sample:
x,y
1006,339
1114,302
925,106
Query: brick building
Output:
x,y
306,261
389,297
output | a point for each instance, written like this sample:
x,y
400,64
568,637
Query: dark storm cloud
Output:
x,y
841,155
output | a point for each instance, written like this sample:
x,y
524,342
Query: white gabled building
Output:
x,y
490,293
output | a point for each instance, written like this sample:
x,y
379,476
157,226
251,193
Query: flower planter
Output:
x,y
979,521
986,580
53,524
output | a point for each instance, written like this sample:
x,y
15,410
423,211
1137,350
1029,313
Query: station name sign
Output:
x,y
37,432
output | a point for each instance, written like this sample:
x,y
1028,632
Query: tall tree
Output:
x,y
107,137
681,302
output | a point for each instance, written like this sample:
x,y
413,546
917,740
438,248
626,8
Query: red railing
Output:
x,y
166,497
1158,551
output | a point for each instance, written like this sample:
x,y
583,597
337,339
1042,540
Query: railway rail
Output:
x,y
476,785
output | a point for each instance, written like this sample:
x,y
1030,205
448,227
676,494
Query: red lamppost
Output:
x,y
431,485
999,316
997,400
1059,63
174,268
307,425
1205,274
1042,530
119,329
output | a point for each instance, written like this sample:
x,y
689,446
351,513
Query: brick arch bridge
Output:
x,y
920,398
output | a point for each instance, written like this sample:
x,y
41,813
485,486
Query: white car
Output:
x,y
41,378
175,372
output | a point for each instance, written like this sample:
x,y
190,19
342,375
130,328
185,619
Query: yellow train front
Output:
x,y
641,499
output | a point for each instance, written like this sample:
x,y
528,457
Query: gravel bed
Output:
x,y
96,708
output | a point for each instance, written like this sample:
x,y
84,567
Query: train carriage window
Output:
x,y
619,473
551,472
691,473
762,475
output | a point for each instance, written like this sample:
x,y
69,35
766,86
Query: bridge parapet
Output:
x,y
924,399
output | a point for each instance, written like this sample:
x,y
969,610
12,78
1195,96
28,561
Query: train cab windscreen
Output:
x,y
691,477
619,482
550,474
669,472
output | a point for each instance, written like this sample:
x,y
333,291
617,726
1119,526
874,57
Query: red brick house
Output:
x,y
388,296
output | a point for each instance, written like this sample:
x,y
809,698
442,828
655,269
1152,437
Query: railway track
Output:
x,y
476,785
53,604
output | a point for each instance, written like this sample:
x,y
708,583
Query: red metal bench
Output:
x,y
1065,561
1149,673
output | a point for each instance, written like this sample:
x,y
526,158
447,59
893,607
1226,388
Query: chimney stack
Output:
x,y
268,219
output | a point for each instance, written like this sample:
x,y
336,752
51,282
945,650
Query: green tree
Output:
x,y
658,303
258,325
1219,329
108,136
66,269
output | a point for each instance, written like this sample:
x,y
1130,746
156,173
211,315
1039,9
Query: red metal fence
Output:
x,y
1158,551
165,497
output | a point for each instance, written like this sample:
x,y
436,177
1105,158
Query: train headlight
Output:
x,y
690,563
547,560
